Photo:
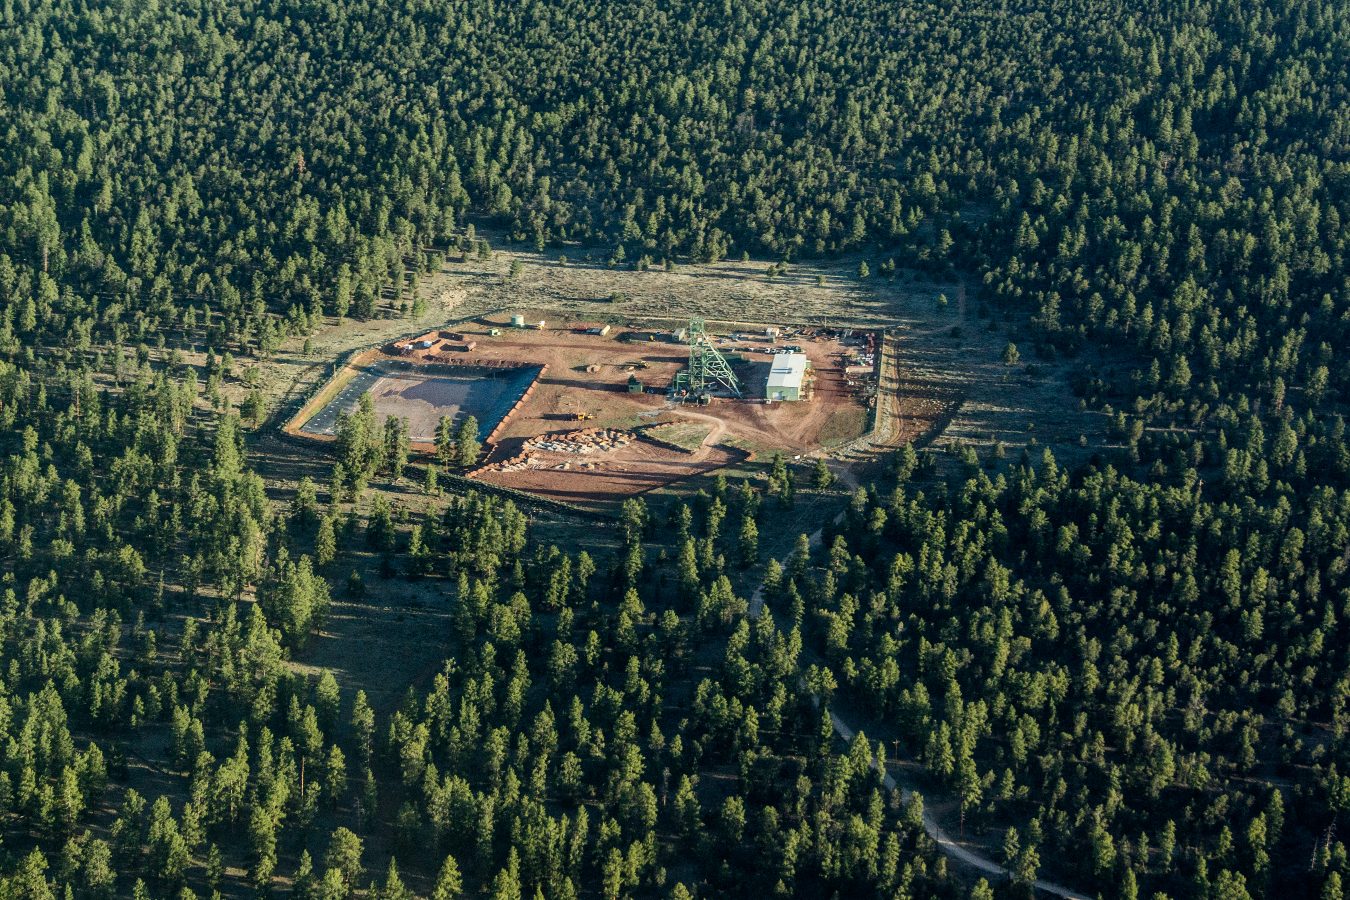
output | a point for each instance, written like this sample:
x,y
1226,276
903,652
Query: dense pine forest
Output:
x,y
1135,668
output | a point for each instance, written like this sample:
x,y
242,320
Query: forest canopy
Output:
x,y
1133,668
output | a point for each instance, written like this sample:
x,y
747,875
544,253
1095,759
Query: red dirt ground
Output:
x,y
639,467
585,385
568,389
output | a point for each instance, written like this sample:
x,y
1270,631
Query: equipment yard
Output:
x,y
585,412
588,380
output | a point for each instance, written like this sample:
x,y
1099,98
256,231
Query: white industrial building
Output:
x,y
787,377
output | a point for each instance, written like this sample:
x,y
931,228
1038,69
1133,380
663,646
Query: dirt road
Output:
x,y
719,428
945,842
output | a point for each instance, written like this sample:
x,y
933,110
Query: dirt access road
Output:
x,y
959,852
719,428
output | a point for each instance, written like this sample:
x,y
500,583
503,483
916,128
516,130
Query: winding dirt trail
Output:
x,y
946,843
719,428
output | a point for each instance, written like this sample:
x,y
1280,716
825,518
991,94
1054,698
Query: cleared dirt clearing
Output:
x,y
592,480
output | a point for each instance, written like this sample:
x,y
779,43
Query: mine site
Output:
x,y
588,412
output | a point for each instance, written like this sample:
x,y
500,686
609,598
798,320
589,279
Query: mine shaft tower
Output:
x,y
707,370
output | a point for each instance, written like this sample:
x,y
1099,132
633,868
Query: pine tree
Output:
x,y
344,856
445,441
30,881
296,600
335,775
396,446
393,888
303,883
97,876
304,506
467,446
363,728
449,884
325,543
749,541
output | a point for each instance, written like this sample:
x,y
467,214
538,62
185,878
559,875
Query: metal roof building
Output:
x,y
786,377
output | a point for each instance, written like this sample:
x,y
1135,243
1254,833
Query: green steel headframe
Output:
x,y
707,367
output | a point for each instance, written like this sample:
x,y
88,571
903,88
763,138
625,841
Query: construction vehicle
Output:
x,y
581,417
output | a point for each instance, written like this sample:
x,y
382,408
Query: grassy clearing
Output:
x,y
686,436
844,423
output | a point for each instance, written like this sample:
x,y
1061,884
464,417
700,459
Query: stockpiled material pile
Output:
x,y
585,442
589,441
